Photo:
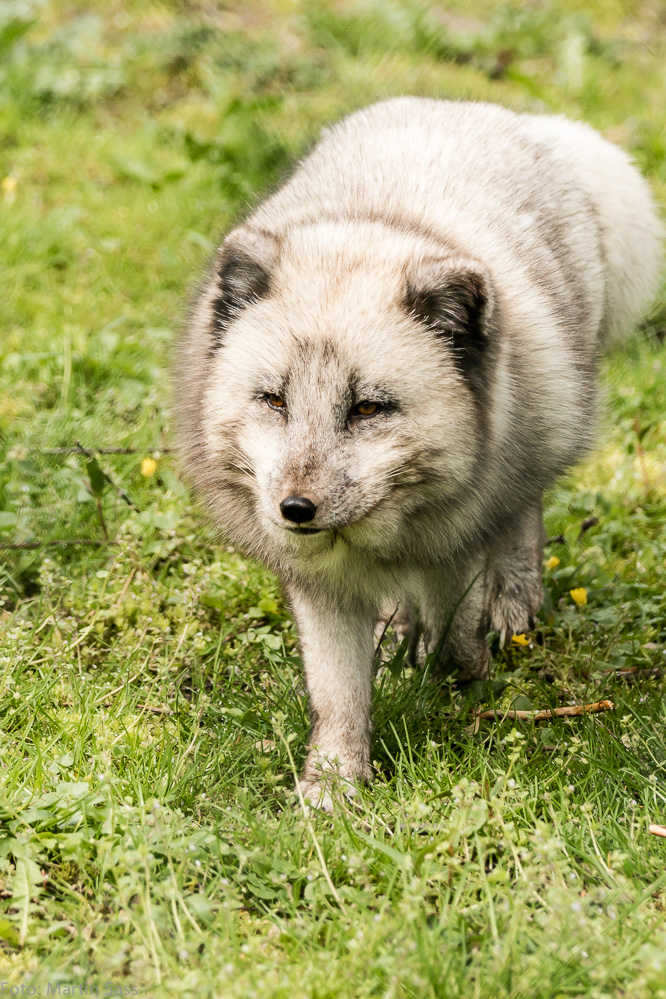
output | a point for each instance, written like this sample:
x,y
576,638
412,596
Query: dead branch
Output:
x,y
571,711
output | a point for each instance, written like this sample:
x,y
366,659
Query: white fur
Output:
x,y
461,264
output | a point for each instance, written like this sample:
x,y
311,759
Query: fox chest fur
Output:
x,y
389,362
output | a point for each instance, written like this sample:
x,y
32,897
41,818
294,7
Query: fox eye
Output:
x,y
275,401
365,408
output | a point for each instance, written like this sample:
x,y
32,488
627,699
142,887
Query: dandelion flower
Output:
x,y
9,190
579,596
552,562
520,640
148,467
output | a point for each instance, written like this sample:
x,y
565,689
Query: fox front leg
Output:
x,y
337,648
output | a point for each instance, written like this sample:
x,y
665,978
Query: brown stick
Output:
x,y
657,830
571,711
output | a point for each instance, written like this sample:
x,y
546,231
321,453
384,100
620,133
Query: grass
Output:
x,y
153,707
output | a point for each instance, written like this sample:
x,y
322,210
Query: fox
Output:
x,y
389,361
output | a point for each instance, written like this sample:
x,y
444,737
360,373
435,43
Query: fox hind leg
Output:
x,y
397,622
514,589
499,591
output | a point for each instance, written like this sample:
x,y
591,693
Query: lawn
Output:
x,y
153,707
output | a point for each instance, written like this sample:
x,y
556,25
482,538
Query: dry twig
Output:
x,y
570,711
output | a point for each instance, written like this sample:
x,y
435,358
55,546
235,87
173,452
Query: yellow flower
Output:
x,y
579,596
520,640
552,562
9,190
148,467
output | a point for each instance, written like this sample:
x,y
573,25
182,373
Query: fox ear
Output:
x,y
454,297
244,267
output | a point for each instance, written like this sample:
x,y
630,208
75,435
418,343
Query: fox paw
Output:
x,y
318,794
513,613
325,777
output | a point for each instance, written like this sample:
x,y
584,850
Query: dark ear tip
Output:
x,y
248,241
453,297
460,280
245,266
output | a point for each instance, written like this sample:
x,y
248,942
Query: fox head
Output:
x,y
345,390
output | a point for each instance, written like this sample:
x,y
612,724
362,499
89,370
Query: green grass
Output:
x,y
153,707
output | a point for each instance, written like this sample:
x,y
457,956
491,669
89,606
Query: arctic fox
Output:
x,y
390,360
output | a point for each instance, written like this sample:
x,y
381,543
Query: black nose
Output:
x,y
298,509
